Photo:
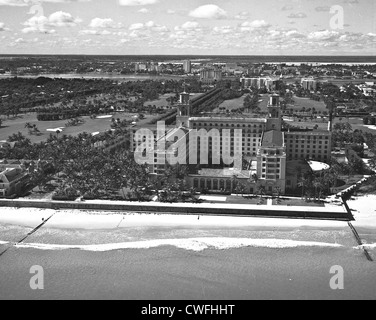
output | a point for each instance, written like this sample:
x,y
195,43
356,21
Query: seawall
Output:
x,y
323,213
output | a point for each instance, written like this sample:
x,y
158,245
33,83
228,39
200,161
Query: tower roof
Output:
x,y
272,139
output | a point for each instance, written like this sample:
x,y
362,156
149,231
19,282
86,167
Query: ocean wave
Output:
x,y
193,244
369,246
3,242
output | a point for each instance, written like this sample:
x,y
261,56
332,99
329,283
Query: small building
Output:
x,y
225,180
13,179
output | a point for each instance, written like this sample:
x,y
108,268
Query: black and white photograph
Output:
x,y
186,157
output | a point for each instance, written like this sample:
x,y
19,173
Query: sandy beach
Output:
x,y
109,255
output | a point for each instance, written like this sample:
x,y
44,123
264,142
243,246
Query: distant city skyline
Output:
x,y
196,27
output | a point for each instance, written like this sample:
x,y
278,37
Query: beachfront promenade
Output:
x,y
328,212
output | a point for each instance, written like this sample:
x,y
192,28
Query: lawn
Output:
x,y
161,102
246,200
231,104
297,202
10,126
308,104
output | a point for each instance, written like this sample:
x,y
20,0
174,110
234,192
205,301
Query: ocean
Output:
x,y
169,262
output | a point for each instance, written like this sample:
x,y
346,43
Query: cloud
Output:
x,y
99,23
24,3
136,26
137,2
208,11
299,15
189,25
254,25
94,32
43,24
326,35
63,19
147,26
37,24
13,3
294,34
244,15
143,10
223,30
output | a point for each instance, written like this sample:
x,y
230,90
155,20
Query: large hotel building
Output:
x,y
262,150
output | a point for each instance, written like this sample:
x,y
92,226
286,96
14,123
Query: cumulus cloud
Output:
x,y
208,11
63,19
136,2
147,26
43,24
326,35
189,25
299,15
254,25
103,23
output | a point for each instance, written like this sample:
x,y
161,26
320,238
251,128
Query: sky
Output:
x,y
191,27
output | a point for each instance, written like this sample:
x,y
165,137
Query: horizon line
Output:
x,y
183,55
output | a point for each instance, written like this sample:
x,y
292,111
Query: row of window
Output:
x,y
308,137
227,125
308,156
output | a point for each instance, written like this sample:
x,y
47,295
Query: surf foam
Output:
x,y
193,244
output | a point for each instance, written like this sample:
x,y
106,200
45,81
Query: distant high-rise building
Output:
x,y
187,66
210,75
269,83
309,84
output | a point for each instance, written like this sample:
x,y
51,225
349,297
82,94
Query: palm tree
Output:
x,y
302,182
262,191
254,179
234,183
278,190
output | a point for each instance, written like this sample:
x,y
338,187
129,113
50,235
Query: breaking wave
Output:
x,y
193,244
369,246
